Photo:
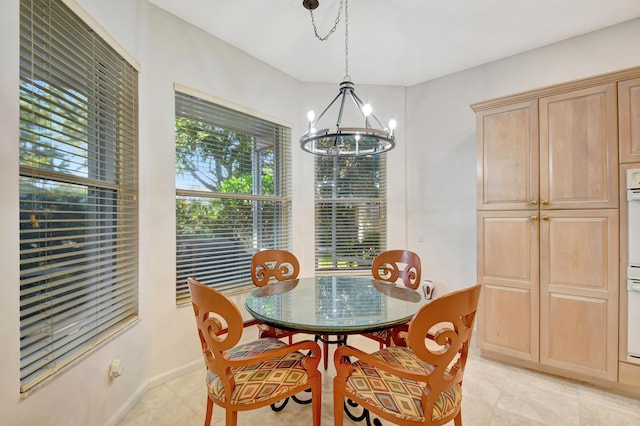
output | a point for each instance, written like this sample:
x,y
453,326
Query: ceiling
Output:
x,y
395,42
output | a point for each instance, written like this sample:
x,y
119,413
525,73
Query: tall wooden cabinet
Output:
x,y
548,231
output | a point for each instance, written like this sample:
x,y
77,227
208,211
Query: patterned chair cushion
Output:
x,y
398,396
263,380
384,335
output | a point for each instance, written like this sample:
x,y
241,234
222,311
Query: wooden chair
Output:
x,y
251,375
271,266
278,265
395,266
417,384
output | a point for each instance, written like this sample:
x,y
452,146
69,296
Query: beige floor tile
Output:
x,y
494,394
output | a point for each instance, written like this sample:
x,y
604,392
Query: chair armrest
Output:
x,y
344,367
310,362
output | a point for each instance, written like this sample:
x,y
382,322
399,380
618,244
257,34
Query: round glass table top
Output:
x,y
334,304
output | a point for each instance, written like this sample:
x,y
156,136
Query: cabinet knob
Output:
x,y
545,203
534,218
545,217
533,202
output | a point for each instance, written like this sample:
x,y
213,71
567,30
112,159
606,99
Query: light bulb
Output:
x,y
392,126
311,115
366,110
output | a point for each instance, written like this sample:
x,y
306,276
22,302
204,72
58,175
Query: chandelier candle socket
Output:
x,y
359,139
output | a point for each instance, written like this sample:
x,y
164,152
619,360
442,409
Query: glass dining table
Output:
x,y
334,305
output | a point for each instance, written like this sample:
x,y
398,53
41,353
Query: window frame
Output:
x,y
78,192
199,258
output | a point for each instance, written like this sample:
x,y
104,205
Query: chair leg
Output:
x,y
338,407
207,419
231,418
457,420
316,396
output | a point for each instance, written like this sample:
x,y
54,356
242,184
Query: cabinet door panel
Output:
x,y
577,336
629,120
508,268
508,157
579,149
579,291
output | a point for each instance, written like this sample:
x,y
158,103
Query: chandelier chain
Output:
x,y
344,3
332,30
346,41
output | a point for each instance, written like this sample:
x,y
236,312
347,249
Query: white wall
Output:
x,y
441,146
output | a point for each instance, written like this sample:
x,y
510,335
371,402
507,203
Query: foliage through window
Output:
x,y
351,211
78,184
232,192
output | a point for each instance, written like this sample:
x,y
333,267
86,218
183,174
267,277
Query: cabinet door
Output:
x,y
629,120
508,269
508,157
579,149
579,291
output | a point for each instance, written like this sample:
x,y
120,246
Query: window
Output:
x,y
78,183
351,211
232,192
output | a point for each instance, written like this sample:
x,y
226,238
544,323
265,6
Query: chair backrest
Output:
x,y
440,333
387,267
219,324
279,265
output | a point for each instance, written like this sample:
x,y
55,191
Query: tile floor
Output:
x,y
493,394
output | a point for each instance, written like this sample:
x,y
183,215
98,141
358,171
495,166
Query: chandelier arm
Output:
x,y
339,120
326,109
359,101
360,107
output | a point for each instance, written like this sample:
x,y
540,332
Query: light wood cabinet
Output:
x,y
508,268
629,119
579,149
548,229
508,157
579,291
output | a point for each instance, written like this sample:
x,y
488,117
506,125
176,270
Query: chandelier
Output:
x,y
366,135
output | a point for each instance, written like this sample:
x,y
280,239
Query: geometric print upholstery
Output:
x,y
381,334
263,380
400,396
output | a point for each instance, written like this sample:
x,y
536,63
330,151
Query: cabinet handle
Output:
x,y
533,202
534,218
545,217
545,203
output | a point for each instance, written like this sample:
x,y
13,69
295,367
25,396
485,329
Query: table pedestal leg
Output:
x,y
340,340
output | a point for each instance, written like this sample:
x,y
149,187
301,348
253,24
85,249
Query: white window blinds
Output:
x,y
232,192
351,211
78,183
